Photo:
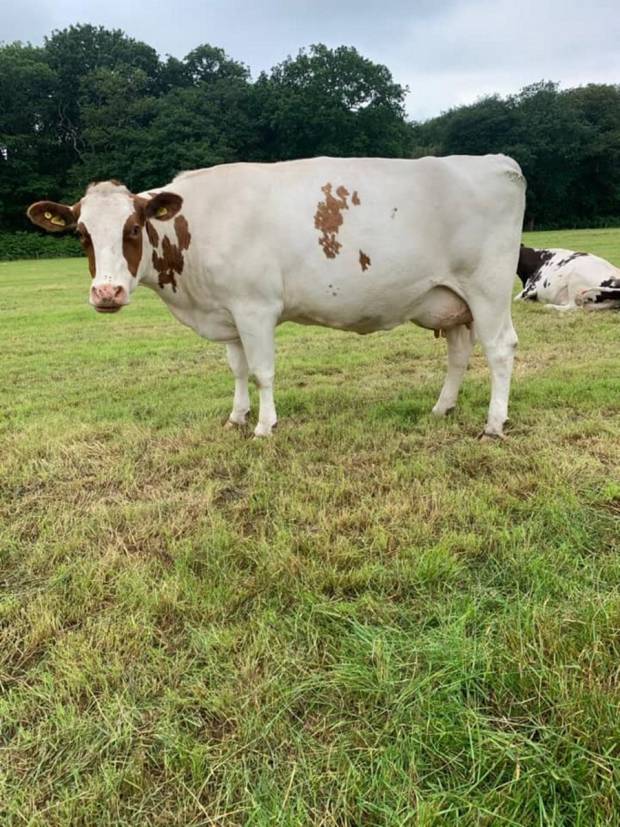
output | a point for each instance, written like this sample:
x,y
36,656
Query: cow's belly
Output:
x,y
435,308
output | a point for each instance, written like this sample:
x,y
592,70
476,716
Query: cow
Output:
x,y
566,280
356,244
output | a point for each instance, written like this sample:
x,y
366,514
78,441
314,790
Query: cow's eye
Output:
x,y
135,230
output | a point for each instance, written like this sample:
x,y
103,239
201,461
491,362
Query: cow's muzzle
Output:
x,y
107,298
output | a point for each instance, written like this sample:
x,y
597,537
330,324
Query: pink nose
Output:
x,y
107,298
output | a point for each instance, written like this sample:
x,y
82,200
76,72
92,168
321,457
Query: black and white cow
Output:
x,y
565,280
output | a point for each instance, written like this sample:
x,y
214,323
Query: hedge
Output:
x,y
18,245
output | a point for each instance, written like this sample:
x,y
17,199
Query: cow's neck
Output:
x,y
165,251
168,272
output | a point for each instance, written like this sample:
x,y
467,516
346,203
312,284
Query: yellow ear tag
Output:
x,y
58,221
161,212
48,215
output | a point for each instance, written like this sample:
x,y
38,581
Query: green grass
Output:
x,y
371,619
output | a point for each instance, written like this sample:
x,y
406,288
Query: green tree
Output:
x,y
82,56
204,64
483,127
330,102
567,142
211,123
209,64
28,150
116,115
596,186
548,140
144,139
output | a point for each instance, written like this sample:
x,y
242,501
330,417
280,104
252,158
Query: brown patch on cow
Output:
x,y
152,234
87,245
364,261
181,228
132,243
170,263
328,219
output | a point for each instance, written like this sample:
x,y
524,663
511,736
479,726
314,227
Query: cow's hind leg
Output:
x,y
561,308
239,366
258,340
494,330
460,343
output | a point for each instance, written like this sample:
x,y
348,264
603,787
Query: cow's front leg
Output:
x,y
239,366
257,338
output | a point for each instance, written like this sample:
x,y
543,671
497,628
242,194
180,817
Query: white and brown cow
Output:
x,y
566,280
354,244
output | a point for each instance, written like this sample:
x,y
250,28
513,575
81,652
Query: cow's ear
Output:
x,y
55,218
164,206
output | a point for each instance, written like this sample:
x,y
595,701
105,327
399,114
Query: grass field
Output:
x,y
370,619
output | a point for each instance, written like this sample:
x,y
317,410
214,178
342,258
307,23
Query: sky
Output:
x,y
448,52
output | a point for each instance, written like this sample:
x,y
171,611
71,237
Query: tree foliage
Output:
x,y
331,102
93,103
29,150
567,142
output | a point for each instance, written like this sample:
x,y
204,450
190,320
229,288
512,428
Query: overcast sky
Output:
x,y
448,52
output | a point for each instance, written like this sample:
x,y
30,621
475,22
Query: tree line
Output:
x,y
93,103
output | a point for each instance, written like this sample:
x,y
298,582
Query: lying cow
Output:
x,y
354,244
565,280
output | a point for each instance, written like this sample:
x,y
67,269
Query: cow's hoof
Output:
x,y
231,425
491,437
237,419
440,411
264,430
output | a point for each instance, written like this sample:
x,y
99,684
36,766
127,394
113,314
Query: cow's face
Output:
x,y
114,228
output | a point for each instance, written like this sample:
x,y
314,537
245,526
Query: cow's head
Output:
x,y
114,227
